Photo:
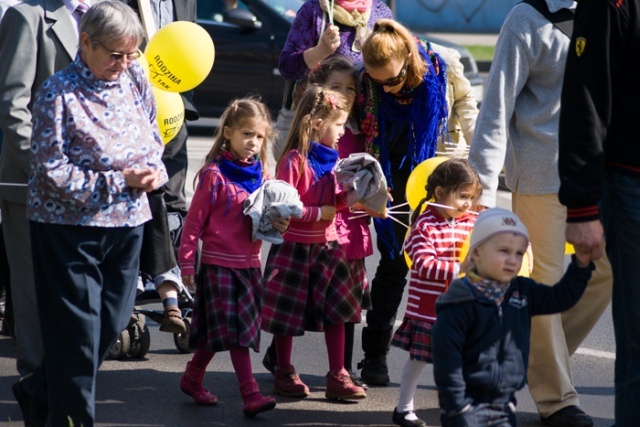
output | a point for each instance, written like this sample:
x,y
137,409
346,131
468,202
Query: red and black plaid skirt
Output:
x,y
226,309
308,287
414,336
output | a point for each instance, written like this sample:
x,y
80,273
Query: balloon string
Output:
x,y
397,206
438,205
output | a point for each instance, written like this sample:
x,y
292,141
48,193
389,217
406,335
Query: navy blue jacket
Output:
x,y
481,350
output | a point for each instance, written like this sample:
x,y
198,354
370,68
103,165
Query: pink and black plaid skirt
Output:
x,y
226,309
414,336
308,287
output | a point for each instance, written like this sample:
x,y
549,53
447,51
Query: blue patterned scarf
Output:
x,y
247,175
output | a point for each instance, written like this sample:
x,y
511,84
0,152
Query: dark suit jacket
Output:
x,y
26,63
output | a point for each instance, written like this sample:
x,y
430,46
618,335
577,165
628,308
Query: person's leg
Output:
x,y
287,382
549,376
5,287
339,383
191,381
70,285
408,384
29,351
253,402
387,288
621,219
157,259
119,269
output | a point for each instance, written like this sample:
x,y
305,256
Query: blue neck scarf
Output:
x,y
322,159
247,175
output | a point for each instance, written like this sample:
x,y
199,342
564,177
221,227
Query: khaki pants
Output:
x,y
554,338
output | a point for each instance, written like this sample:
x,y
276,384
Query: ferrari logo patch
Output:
x,y
581,43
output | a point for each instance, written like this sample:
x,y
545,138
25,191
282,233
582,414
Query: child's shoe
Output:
x,y
252,401
407,419
191,384
172,320
340,387
288,383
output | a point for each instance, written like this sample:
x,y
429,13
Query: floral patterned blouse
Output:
x,y
86,131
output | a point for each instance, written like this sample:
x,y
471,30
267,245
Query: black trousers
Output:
x,y
85,287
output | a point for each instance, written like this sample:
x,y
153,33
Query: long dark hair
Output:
x,y
451,175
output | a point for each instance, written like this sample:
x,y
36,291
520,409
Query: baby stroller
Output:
x,y
134,341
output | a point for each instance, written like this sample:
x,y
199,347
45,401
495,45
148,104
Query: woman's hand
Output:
x,y
328,43
327,212
189,282
145,179
329,40
281,224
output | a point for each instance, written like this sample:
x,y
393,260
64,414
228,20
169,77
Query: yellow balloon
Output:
x,y
145,65
180,56
170,113
417,182
569,249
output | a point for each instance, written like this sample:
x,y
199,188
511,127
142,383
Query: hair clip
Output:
x,y
332,102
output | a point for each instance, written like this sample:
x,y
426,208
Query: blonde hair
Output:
x,y
235,115
317,103
391,40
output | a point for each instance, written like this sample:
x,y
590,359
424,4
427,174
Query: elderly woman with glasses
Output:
x,y
96,152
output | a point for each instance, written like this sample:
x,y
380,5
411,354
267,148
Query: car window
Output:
x,y
212,10
286,8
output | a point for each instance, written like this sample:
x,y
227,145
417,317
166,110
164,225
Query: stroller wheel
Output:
x,y
182,340
121,347
140,338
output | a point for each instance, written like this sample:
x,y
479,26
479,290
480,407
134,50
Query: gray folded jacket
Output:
x,y
273,199
361,176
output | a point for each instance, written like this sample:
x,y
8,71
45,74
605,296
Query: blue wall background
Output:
x,y
454,16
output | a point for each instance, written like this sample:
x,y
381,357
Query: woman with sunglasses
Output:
x,y
403,110
96,152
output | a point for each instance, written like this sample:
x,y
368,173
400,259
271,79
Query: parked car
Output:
x,y
248,40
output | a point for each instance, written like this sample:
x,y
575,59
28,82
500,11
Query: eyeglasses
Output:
x,y
394,81
118,56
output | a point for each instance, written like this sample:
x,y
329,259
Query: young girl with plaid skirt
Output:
x,y
434,246
228,299
337,73
307,281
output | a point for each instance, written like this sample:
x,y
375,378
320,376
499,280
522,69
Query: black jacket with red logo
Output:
x,y
600,103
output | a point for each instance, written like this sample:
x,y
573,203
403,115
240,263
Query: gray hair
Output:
x,y
111,20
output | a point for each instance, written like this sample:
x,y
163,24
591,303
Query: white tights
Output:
x,y
408,385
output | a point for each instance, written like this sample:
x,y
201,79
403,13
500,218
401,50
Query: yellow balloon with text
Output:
x,y
145,65
170,113
416,184
180,56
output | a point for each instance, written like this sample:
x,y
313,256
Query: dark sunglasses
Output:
x,y
394,81
117,56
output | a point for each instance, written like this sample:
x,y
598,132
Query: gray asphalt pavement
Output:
x,y
145,392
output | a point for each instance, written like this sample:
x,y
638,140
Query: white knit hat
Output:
x,y
495,221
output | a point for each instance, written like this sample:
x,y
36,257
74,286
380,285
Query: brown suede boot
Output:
x,y
252,401
172,321
191,384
